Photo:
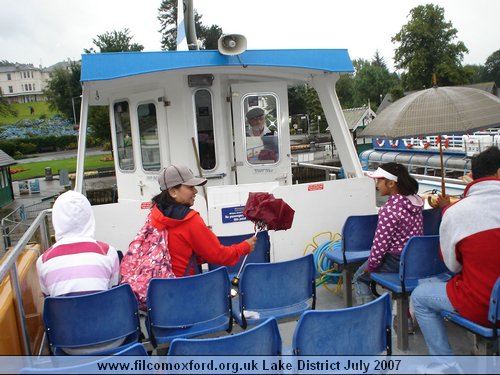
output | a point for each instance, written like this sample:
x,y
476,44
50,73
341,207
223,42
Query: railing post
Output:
x,y
44,235
14,281
6,238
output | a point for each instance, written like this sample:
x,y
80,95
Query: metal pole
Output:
x,y
14,281
443,192
74,113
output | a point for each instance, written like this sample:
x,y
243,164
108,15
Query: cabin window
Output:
x,y
261,128
205,129
124,136
148,132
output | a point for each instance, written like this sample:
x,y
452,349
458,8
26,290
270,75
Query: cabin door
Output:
x,y
261,132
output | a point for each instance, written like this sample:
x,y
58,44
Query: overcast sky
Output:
x,y
44,32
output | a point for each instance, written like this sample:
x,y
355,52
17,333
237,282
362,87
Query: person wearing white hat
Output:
x,y
399,220
187,234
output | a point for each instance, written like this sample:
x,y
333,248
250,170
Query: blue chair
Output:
x,y
104,322
432,221
260,254
188,306
264,339
360,330
420,259
357,238
86,367
486,338
280,290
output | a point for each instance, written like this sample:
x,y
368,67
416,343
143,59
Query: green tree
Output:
x,y
378,60
64,88
426,46
296,100
372,81
115,41
315,111
493,67
98,122
208,35
477,73
345,90
5,108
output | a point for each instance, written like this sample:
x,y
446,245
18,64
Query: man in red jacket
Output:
x,y
470,247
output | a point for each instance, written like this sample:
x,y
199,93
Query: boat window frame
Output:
x,y
213,141
245,107
127,143
142,141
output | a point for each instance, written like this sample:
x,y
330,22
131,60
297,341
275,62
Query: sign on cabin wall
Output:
x,y
233,214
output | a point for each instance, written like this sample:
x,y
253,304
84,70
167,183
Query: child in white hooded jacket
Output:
x,y
76,263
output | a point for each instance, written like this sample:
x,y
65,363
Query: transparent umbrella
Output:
x,y
436,111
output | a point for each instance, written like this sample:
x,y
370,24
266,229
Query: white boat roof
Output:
x,y
107,66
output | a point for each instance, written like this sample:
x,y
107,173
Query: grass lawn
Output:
x,y
23,112
37,169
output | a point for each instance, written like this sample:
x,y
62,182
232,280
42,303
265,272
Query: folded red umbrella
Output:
x,y
265,210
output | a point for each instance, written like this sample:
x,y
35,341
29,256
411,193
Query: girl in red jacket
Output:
x,y
188,234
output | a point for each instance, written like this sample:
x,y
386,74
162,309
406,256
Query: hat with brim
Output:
x,y
178,175
382,173
254,113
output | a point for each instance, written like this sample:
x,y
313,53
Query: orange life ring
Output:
x,y
380,143
425,145
408,144
394,143
446,141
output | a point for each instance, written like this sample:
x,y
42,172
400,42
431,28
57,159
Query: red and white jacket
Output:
x,y
470,246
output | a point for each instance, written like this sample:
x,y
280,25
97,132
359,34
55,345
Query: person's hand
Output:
x,y
252,241
439,201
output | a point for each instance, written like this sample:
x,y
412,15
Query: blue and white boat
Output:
x,y
188,108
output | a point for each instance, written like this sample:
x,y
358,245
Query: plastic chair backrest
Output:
x,y
358,232
359,330
88,367
420,258
91,319
494,310
188,306
260,254
277,285
432,221
264,339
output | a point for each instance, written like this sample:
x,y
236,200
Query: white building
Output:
x,y
23,83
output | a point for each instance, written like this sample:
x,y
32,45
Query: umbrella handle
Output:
x,y
241,267
237,277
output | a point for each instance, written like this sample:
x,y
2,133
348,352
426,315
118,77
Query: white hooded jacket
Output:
x,y
76,263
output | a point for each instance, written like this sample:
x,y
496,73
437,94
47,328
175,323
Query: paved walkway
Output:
x,y
46,156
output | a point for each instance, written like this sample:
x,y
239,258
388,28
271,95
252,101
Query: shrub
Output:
x,y
27,148
18,155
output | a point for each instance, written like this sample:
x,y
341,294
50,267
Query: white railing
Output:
x,y
8,266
